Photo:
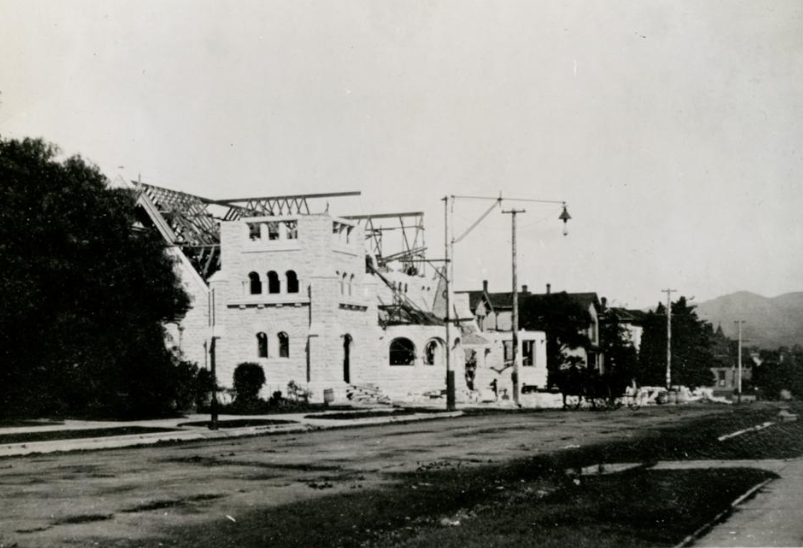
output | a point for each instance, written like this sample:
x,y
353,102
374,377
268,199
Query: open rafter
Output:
x,y
412,243
281,205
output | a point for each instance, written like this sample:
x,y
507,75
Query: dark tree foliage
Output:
x,y
780,369
565,323
692,357
85,294
620,356
249,378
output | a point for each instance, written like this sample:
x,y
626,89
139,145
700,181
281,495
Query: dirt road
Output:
x,y
142,493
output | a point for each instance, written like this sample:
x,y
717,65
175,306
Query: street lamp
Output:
x,y
564,216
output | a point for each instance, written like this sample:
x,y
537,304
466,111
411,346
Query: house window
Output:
x,y
528,353
274,284
343,284
255,283
284,345
262,345
292,281
402,352
433,353
351,283
254,231
721,375
508,351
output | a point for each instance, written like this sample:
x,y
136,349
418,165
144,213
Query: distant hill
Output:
x,y
769,322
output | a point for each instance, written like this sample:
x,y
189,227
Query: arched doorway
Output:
x,y
347,340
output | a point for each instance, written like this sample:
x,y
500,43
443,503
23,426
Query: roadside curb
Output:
x,y
145,439
689,540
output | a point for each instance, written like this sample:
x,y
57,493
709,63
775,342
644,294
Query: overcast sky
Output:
x,y
673,129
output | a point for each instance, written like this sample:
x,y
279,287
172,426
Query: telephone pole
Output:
x,y
515,327
739,362
668,336
213,360
450,388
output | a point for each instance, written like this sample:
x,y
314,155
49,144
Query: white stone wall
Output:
x,y
337,301
491,362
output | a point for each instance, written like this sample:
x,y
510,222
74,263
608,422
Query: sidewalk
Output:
x,y
771,518
297,422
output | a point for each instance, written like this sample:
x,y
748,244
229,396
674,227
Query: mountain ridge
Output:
x,y
770,322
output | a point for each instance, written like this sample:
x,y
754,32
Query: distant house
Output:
x,y
725,369
631,321
493,312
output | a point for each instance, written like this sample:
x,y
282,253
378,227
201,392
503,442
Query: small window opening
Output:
x,y
292,282
274,284
273,231
284,345
255,283
402,352
262,345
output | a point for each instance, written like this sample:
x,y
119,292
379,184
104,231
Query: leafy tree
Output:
x,y
620,356
249,378
85,294
565,323
780,369
692,357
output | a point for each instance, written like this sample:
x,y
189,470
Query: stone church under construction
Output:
x,y
315,299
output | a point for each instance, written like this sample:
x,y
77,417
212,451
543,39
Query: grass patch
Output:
x,y
263,407
640,508
56,435
18,423
237,423
362,414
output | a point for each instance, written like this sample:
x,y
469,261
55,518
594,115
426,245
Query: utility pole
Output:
x,y
668,336
515,327
212,361
739,363
450,396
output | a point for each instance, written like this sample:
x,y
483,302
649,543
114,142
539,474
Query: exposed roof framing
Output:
x,y
280,205
186,214
402,311
188,221
410,227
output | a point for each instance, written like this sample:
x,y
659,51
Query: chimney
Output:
x,y
485,285
604,303
548,289
524,288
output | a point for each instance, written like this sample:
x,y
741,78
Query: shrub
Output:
x,y
248,380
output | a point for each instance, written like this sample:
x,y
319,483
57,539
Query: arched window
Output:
x,y
402,352
256,283
343,283
262,345
284,345
292,281
351,283
433,352
274,284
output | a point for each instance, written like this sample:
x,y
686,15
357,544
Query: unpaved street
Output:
x,y
142,493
